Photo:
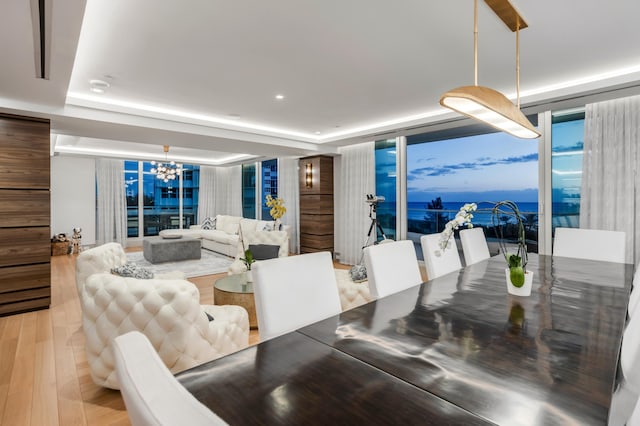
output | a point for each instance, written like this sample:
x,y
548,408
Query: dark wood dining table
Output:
x,y
454,350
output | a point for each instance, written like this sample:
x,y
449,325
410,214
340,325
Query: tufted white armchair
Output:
x,y
168,312
351,294
102,259
279,238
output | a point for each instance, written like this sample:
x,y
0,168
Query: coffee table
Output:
x,y
235,290
159,249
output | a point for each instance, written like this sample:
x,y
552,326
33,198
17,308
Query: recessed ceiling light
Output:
x,y
98,86
318,133
279,97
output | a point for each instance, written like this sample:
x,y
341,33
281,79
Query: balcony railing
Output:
x,y
154,221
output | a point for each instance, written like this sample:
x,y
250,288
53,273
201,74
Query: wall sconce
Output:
x,y
308,175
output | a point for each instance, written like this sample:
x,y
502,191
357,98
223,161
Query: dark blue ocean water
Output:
x,y
418,210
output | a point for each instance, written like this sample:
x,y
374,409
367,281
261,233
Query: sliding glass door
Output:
x,y
443,175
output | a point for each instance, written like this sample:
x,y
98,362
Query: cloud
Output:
x,y
450,169
422,160
578,146
385,162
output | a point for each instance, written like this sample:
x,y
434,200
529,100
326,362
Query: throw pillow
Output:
x,y
209,223
131,270
229,224
358,273
264,251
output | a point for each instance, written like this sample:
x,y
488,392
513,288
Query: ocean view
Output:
x,y
417,211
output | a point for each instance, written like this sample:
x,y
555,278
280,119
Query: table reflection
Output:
x,y
549,358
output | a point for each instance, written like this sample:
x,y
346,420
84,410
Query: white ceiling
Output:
x,y
202,75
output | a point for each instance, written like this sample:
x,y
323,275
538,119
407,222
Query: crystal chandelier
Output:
x,y
168,170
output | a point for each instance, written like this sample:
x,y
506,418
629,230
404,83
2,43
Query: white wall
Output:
x,y
73,197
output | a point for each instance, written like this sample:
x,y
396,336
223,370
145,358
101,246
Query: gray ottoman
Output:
x,y
158,249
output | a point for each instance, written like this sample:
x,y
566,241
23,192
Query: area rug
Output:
x,y
210,263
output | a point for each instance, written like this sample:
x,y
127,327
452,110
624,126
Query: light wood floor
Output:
x,y
44,375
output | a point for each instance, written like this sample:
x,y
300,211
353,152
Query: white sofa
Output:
x,y
279,238
168,312
224,238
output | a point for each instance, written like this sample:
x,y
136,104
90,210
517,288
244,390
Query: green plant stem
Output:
x,y
510,209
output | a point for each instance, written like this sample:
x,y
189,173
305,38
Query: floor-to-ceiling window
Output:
x,y
190,194
385,157
131,179
163,204
269,184
444,174
567,136
249,191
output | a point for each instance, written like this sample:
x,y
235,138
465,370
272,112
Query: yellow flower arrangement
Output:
x,y
277,207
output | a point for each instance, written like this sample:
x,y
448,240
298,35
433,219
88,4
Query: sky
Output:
x,y
486,167
566,162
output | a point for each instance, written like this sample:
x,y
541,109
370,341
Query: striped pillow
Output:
x,y
209,223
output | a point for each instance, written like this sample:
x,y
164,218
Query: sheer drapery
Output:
x,y
206,201
111,202
357,178
610,184
227,192
289,191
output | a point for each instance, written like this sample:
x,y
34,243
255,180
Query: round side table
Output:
x,y
235,290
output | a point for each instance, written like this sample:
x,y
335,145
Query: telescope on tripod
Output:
x,y
358,272
373,201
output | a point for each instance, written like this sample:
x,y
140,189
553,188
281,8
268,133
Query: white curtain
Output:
x,y
227,191
206,199
289,191
610,183
357,178
112,205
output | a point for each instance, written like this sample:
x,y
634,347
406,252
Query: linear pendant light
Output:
x,y
483,103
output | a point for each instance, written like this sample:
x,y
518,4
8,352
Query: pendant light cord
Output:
x,y
475,42
517,60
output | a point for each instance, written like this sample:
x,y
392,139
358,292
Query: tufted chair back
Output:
x,y
168,312
98,260
280,238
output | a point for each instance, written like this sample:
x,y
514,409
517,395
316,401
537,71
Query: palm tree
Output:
x,y
439,219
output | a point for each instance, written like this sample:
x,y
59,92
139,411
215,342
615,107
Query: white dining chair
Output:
x,y
634,298
292,292
152,395
474,245
625,396
439,262
391,267
630,354
592,244
634,419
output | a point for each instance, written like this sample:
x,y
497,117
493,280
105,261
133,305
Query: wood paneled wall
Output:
x,y
25,245
316,205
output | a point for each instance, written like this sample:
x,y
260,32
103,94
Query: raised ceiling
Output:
x,y
202,75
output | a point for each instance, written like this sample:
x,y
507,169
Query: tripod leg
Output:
x,y
366,243
384,237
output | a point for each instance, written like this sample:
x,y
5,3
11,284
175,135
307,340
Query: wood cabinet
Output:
x,y
25,245
316,204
